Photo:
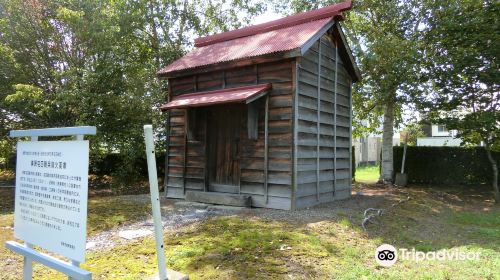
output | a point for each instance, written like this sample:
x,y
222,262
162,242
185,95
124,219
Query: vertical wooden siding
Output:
x,y
279,180
323,127
344,111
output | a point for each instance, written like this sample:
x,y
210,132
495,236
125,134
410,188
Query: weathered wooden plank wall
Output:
x,y
323,127
253,170
320,88
343,130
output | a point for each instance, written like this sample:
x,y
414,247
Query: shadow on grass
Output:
x,y
7,200
106,213
439,218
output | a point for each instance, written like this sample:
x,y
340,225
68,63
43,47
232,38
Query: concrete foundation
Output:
x,y
219,198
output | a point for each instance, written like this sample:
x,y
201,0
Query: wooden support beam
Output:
x,y
253,112
350,134
165,180
239,182
239,156
335,120
266,148
295,104
253,120
318,123
205,169
219,198
184,158
191,123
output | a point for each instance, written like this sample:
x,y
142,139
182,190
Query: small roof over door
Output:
x,y
245,94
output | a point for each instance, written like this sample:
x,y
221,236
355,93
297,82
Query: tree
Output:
x,y
384,39
462,47
66,63
413,130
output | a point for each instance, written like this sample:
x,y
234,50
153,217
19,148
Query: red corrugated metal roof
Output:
x,y
326,12
264,43
208,98
276,36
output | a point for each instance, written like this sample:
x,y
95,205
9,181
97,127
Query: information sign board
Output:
x,y
51,196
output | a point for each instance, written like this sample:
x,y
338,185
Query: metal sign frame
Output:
x,y
30,255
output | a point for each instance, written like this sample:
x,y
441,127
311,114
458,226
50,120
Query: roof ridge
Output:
x,y
289,39
334,10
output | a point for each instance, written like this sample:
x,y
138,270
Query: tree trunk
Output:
x,y
387,135
494,168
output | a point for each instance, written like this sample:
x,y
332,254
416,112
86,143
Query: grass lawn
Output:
x,y
104,213
367,174
247,246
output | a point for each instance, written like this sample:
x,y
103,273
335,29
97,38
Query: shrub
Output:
x,y
445,165
122,168
114,163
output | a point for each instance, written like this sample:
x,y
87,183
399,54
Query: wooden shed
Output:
x,y
262,114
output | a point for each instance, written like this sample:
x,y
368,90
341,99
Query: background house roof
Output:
x,y
280,35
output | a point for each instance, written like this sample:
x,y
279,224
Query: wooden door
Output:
x,y
224,127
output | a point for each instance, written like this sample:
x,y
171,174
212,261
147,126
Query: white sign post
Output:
x,y
155,201
163,272
51,199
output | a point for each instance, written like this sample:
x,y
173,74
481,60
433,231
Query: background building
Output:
x,y
438,135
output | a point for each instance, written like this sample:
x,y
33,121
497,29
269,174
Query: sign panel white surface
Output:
x,y
51,196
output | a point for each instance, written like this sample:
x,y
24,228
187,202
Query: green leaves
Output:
x,y
25,95
69,16
69,62
384,42
462,49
